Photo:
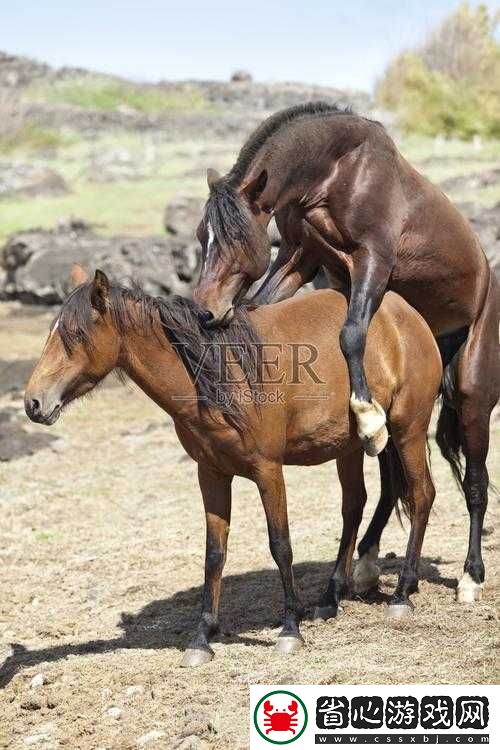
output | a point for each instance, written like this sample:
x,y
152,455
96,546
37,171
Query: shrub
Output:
x,y
450,86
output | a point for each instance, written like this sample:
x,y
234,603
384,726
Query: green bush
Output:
x,y
450,86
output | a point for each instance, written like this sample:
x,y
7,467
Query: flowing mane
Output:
x,y
204,353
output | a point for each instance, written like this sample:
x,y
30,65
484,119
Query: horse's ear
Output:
x,y
212,177
78,275
254,189
99,296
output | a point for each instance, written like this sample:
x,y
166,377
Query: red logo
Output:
x,y
280,717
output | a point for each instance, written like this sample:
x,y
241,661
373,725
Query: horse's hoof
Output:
x,y
376,444
326,613
399,611
468,591
366,573
196,657
289,644
370,418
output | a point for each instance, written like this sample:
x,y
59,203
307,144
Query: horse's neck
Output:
x,y
152,363
289,181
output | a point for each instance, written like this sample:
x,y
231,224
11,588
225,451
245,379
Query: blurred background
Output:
x,y
110,114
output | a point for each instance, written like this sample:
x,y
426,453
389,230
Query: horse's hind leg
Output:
x,y
420,496
216,491
366,572
273,494
350,471
474,393
478,387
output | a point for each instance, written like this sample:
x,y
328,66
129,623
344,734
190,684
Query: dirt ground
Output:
x,y
102,547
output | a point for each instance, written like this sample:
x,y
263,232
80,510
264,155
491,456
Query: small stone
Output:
x,y
31,704
35,739
106,693
193,742
390,556
37,681
134,690
154,734
114,712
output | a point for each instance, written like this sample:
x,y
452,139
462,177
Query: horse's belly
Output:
x,y
326,442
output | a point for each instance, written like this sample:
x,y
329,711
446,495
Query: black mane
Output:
x,y
205,354
274,123
231,219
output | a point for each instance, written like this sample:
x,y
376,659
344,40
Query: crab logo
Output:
x,y
280,717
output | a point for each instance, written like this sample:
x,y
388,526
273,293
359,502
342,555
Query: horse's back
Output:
x,y
400,347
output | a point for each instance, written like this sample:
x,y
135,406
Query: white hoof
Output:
x,y
371,419
289,644
468,591
399,611
366,573
196,657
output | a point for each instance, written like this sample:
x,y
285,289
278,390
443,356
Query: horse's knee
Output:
x,y
215,559
281,549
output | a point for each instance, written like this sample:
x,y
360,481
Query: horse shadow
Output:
x,y
251,603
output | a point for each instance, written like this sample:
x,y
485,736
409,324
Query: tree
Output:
x,y
451,84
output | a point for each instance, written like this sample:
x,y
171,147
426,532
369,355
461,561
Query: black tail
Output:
x,y
448,436
448,439
391,471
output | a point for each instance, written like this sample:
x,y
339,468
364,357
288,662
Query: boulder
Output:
x,y
241,76
37,263
29,179
472,181
182,215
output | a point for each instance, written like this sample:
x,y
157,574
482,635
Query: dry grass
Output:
x,y
108,521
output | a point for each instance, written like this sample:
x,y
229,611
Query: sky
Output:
x,y
343,43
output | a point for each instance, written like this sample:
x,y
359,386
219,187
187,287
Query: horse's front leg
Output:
x,y
273,494
369,277
216,492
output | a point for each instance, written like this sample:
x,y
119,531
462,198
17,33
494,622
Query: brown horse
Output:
x,y
301,417
344,198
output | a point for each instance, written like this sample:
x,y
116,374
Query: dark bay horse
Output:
x,y
159,345
344,198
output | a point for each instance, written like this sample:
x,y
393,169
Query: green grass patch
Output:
x,y
133,208
95,92
31,137
47,536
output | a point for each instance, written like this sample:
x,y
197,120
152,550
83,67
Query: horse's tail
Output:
x,y
391,469
449,440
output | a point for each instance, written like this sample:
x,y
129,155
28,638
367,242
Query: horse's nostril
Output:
x,y
205,316
34,406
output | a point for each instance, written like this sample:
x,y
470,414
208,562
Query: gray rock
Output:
x,y
241,76
182,215
472,181
29,179
150,737
37,263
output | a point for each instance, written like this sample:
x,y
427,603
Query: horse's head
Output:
x,y
235,247
82,348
